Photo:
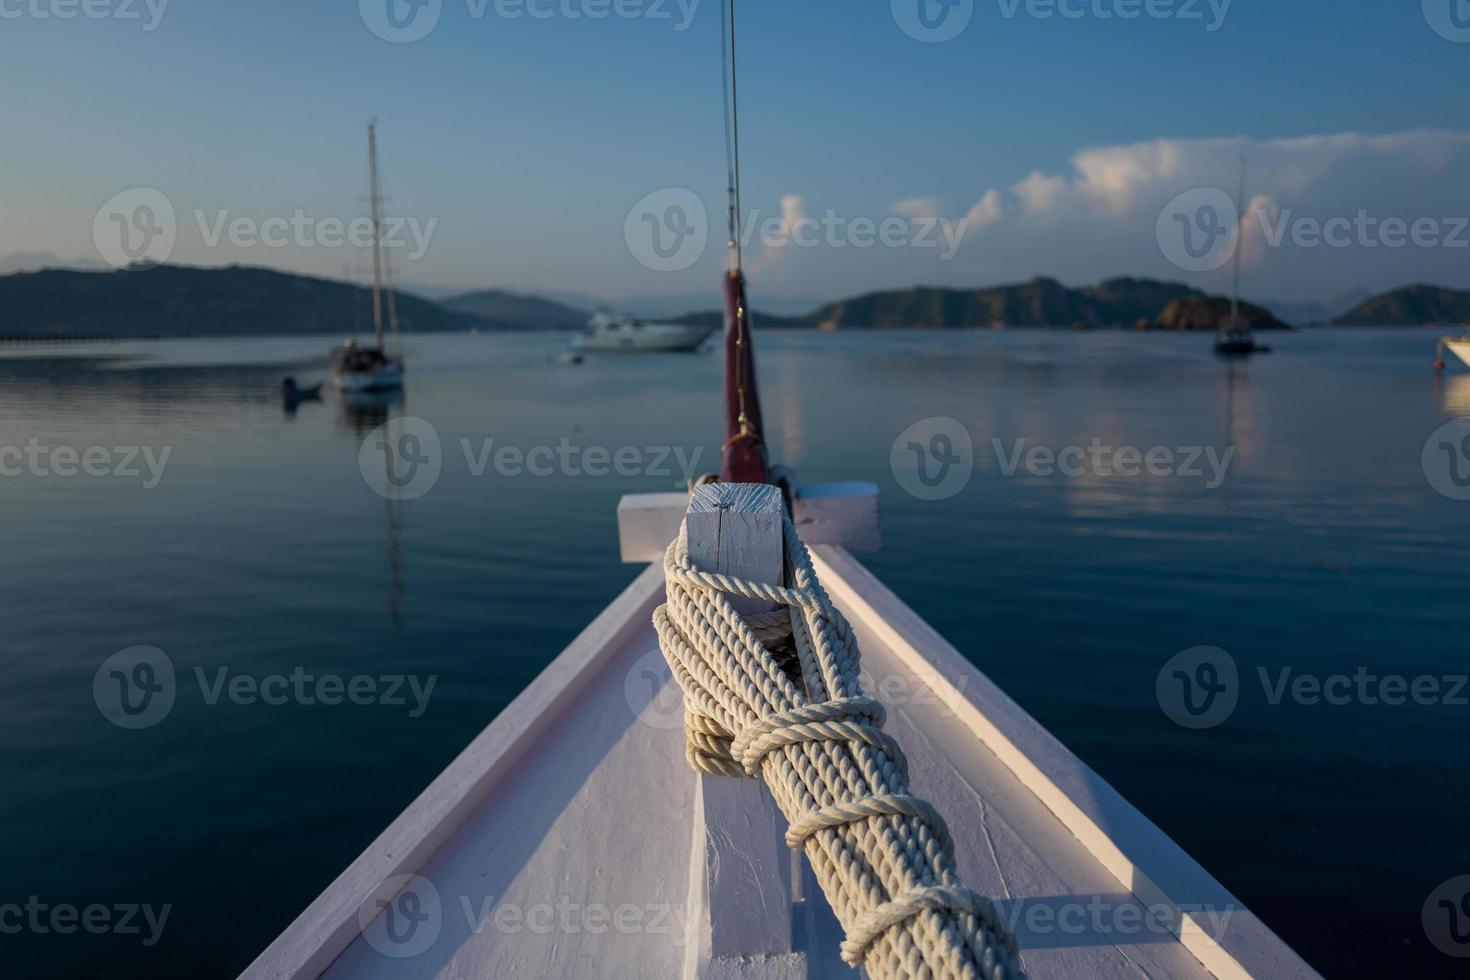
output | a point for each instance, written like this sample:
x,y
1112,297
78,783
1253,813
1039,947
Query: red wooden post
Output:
x,y
743,459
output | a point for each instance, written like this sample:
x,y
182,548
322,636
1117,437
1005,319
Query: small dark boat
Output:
x,y
295,394
1237,340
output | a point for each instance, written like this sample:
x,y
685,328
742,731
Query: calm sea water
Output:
x,y
262,550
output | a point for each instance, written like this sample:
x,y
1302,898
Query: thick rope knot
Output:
x,y
875,922
844,720
775,695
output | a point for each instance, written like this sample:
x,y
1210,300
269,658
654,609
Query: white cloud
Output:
x,y
1098,218
774,239
793,211
917,207
1039,193
988,210
1116,180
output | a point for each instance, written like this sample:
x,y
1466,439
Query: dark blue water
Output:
x,y
263,551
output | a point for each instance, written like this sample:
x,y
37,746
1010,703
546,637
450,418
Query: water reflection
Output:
x,y
264,547
1454,393
1234,377
361,412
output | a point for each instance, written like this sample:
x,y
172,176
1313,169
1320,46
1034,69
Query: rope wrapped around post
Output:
x,y
776,696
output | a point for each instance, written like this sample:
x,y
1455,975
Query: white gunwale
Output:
x,y
1130,848
1143,859
329,924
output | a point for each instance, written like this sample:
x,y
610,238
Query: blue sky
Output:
x,y
528,139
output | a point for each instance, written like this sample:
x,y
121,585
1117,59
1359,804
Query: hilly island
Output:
x,y
184,301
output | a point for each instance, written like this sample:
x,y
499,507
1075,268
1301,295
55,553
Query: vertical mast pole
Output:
x,y
743,458
392,301
377,233
1239,248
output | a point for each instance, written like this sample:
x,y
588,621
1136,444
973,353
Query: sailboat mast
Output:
x,y
392,301
351,280
377,233
744,458
1239,248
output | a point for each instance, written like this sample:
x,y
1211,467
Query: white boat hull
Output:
x,y
642,338
387,379
1461,349
559,843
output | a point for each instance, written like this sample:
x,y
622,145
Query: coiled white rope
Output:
x,y
776,695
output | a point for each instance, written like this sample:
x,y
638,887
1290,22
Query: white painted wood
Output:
x,y
579,795
738,529
326,928
647,522
844,514
753,823
741,873
1223,935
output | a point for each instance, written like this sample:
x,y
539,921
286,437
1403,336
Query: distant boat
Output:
x,y
358,366
1459,346
624,333
1237,340
294,393
1234,341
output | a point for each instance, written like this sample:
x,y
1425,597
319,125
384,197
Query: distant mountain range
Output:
x,y
1114,304
183,301
1410,305
525,311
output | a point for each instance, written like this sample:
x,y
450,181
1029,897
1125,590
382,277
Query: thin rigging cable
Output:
x,y
731,108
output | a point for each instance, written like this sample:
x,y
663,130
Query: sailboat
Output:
x,y
1236,339
601,827
359,367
